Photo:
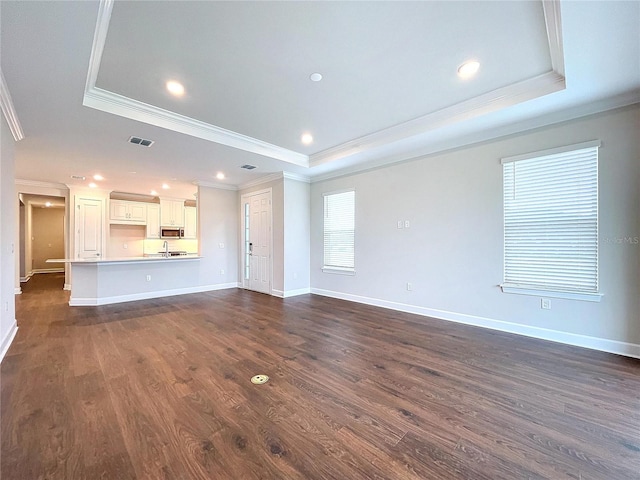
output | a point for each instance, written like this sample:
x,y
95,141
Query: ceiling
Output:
x,y
85,76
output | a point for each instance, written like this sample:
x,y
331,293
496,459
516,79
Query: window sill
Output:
x,y
338,271
587,297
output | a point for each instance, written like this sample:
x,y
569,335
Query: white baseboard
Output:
x,y
48,270
92,302
295,293
17,291
8,338
290,293
26,279
67,286
594,343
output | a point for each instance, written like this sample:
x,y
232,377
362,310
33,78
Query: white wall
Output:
x,y
297,226
452,252
218,223
8,236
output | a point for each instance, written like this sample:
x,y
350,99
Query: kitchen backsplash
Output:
x,y
130,241
155,246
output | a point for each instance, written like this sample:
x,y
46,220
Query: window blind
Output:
x,y
551,220
339,230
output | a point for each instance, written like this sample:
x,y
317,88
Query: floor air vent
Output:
x,y
140,141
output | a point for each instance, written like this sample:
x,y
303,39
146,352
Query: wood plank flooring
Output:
x,y
160,389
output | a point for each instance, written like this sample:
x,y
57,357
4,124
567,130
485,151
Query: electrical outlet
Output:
x,y
222,271
409,286
221,245
407,224
545,303
125,246
148,278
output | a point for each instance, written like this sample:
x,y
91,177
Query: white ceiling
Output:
x,y
389,92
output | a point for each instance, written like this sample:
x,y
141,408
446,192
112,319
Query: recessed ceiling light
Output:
x,y
220,176
93,185
165,186
315,77
306,138
153,192
175,88
98,177
47,204
468,69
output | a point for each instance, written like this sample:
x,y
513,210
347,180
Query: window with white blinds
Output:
x,y
339,231
551,220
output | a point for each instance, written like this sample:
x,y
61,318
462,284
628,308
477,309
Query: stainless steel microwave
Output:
x,y
171,232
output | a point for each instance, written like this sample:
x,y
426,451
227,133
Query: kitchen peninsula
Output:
x,y
102,281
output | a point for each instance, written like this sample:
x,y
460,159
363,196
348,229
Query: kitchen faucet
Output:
x,y
165,245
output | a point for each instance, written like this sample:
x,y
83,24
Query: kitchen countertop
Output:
x,y
107,260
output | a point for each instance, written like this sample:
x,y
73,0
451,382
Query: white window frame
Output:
x,y
341,270
581,272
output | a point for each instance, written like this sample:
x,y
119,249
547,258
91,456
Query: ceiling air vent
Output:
x,y
248,167
140,141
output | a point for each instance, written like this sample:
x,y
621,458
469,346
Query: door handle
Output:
x,y
250,248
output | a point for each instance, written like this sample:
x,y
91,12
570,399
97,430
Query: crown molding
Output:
x,y
99,39
9,110
116,104
34,183
498,99
142,112
501,98
259,181
219,186
551,9
489,102
459,143
296,177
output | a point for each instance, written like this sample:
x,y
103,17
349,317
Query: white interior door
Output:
x,y
89,224
257,218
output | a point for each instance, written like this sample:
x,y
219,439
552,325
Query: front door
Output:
x,y
257,241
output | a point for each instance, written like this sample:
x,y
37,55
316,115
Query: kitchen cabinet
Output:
x,y
89,225
122,211
171,212
153,220
190,222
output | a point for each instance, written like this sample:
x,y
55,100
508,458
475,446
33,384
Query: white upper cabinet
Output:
x,y
171,212
190,222
122,211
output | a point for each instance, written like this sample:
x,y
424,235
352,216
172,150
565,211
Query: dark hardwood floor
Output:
x,y
160,389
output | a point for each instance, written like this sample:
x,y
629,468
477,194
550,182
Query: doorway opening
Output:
x,y
42,237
